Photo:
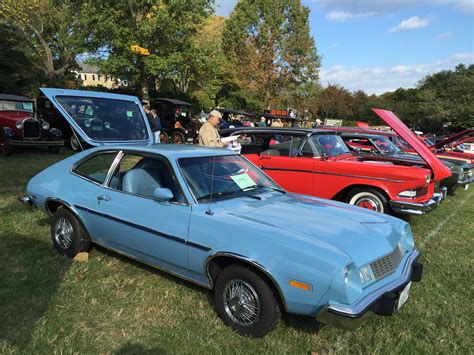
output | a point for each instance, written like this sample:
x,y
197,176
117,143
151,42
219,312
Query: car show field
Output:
x,y
112,304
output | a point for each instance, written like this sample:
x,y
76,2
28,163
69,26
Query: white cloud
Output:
x,y
341,16
377,80
412,23
444,36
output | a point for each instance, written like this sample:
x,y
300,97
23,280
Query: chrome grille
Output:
x,y
387,264
31,129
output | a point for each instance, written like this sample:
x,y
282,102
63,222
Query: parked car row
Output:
x,y
260,242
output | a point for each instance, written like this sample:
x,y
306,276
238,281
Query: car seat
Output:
x,y
141,181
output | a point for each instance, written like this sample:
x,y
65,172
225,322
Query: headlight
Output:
x,y
407,194
407,238
55,132
45,125
87,123
428,179
107,125
19,125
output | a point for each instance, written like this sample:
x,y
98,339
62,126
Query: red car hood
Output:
x,y
457,136
440,171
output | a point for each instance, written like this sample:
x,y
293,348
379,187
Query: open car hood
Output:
x,y
456,137
440,171
101,118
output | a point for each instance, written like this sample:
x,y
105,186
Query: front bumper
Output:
x,y
383,301
418,208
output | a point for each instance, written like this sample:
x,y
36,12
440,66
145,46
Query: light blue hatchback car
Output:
x,y
210,216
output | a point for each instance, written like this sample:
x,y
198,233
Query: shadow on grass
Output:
x,y
30,274
138,349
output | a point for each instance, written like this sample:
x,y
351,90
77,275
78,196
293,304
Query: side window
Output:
x,y
284,145
96,168
308,151
141,175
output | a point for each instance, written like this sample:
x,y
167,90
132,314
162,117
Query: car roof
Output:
x,y
173,101
14,98
172,151
275,130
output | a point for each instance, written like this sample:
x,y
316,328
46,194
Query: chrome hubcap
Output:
x,y
241,302
63,233
368,203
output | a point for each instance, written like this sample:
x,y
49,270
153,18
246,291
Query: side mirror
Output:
x,y
356,150
162,194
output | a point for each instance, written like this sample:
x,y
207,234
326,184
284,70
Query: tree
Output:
x,y
162,28
50,33
269,44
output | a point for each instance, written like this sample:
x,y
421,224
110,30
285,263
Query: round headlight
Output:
x,y
107,125
19,124
45,125
87,123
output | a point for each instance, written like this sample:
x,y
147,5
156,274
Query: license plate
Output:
x,y
403,296
466,187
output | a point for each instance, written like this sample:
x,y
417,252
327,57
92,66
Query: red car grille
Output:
x,y
31,129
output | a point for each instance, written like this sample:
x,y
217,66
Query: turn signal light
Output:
x,y
301,285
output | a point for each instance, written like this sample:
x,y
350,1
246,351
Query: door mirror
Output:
x,y
162,194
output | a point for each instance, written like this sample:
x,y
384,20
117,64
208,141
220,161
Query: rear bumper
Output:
x,y
27,143
418,208
383,301
27,200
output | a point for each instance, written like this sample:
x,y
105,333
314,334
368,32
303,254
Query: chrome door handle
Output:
x,y
103,198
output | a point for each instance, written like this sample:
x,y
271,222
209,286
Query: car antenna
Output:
x,y
209,211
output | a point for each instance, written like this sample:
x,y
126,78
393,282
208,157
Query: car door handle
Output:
x,y
103,198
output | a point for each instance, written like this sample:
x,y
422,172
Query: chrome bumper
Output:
x,y
27,200
419,208
382,301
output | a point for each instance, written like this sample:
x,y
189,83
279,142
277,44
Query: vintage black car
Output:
x,y
177,124
229,118
20,127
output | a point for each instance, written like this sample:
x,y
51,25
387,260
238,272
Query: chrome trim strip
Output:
x,y
333,174
251,262
112,168
145,229
366,302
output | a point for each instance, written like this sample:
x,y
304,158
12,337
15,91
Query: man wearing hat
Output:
x,y
208,134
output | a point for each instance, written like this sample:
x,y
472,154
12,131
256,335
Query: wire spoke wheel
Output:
x,y
241,302
63,233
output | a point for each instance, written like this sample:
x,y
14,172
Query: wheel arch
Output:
x,y
217,262
341,195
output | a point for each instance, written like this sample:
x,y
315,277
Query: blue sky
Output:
x,y
380,45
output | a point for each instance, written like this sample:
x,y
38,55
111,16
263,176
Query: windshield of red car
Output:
x,y
386,146
330,144
7,105
106,119
225,176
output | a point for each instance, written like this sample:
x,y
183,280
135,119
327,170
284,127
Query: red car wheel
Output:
x,y
368,198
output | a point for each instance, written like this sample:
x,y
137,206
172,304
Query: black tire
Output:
x,y
257,294
5,147
164,138
75,241
53,149
370,198
178,137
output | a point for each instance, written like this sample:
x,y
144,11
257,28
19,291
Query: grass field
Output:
x,y
110,304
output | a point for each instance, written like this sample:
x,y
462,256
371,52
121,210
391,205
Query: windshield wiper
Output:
x,y
256,187
226,193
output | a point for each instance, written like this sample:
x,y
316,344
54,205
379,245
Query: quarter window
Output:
x,y
96,168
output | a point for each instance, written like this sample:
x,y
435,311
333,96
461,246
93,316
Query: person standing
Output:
x,y
157,126
208,134
262,122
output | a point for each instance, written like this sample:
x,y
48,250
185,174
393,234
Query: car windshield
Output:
x,y
225,176
386,146
106,119
7,105
330,144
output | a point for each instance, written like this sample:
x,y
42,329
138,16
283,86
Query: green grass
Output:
x,y
114,305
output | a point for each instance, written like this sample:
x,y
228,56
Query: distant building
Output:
x,y
89,75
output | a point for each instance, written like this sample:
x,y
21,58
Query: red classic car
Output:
x,y
19,127
317,162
